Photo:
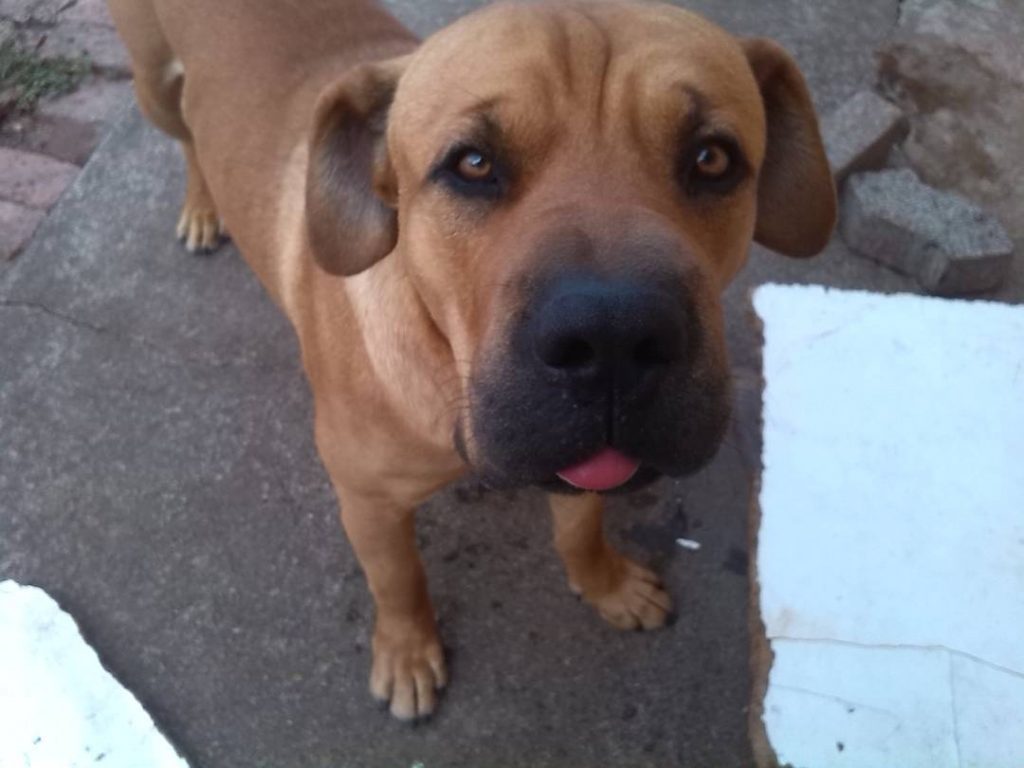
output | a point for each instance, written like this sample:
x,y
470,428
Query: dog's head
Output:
x,y
570,188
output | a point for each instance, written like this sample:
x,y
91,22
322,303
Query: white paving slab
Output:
x,y
891,549
990,703
58,707
844,706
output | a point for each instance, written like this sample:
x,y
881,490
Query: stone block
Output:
x,y
32,180
860,133
948,244
957,68
17,223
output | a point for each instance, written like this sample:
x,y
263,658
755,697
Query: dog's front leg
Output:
x,y
626,594
408,663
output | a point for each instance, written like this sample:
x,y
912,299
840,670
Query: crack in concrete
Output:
x,y
168,356
956,717
38,307
900,647
847,703
951,653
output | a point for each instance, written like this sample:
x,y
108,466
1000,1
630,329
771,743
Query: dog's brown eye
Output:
x,y
475,166
712,161
713,166
470,173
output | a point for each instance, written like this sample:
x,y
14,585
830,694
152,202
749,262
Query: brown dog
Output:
x,y
501,248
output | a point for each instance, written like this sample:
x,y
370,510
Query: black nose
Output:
x,y
609,332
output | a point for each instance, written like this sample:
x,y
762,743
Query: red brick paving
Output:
x,y
17,223
95,101
32,180
35,11
40,154
98,42
88,11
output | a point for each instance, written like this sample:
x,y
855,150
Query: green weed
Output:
x,y
26,77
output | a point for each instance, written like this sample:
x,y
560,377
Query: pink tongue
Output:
x,y
602,472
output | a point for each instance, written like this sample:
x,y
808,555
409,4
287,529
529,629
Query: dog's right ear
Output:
x,y
351,190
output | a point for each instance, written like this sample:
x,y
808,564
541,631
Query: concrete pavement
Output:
x,y
158,477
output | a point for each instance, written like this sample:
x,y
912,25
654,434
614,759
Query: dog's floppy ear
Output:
x,y
796,197
351,190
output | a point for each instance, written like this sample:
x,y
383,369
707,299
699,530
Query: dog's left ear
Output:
x,y
351,190
796,196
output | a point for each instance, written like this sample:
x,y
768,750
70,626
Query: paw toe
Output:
x,y
409,679
199,230
637,602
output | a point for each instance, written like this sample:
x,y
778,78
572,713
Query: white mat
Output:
x,y
891,551
58,707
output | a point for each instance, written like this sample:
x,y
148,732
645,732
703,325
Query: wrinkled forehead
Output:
x,y
589,68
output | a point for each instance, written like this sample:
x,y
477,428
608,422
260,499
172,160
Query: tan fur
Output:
x,y
309,127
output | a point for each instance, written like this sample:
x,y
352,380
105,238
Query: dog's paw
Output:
x,y
408,671
636,601
199,229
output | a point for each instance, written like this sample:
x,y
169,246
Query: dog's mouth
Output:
x,y
608,470
516,443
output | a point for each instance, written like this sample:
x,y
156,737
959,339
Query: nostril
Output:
x,y
651,352
570,352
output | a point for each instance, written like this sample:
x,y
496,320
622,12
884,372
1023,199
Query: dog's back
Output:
x,y
204,70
